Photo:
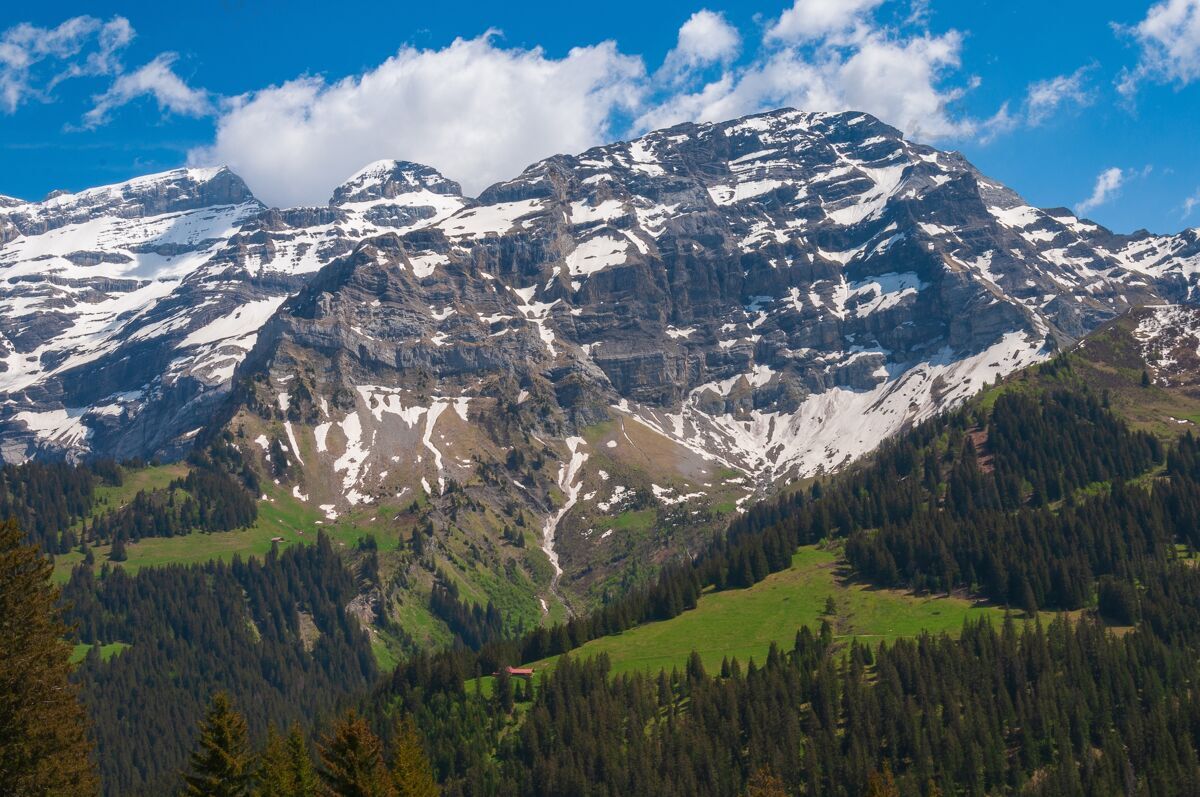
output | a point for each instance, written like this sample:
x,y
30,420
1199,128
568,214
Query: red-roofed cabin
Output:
x,y
519,672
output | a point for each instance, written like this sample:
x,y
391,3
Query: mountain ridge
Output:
x,y
651,328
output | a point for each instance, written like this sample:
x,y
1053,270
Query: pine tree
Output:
x,y
353,761
117,552
882,784
305,782
285,768
274,772
44,745
411,772
222,764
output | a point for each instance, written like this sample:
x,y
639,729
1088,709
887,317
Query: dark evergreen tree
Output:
x,y
352,761
222,764
44,745
412,775
285,767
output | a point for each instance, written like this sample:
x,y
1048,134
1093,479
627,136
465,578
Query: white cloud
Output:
x,y
705,39
1191,203
1044,100
899,79
33,60
156,79
1047,97
473,110
1169,39
480,112
812,19
1108,185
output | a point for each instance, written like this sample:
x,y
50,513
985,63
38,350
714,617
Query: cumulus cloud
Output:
x,y
898,78
33,59
813,19
156,79
474,110
1108,186
1169,43
705,39
480,112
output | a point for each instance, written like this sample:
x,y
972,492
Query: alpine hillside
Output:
x,y
612,352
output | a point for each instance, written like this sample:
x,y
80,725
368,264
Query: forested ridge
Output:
x,y
1037,499
56,504
274,634
1046,487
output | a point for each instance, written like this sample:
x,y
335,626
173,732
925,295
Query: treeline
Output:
x,y
996,535
274,633
48,498
1069,709
219,493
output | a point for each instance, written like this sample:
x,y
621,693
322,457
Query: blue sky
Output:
x,y
1093,105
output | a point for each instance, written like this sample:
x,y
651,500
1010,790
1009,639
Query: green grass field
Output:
x,y
155,477
80,651
743,623
279,516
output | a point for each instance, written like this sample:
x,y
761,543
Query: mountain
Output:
x,y
675,324
125,309
616,349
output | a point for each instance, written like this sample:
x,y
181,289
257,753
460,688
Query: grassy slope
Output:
x,y
280,515
1109,361
743,623
80,651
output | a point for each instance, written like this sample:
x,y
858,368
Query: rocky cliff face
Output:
x,y
676,323
124,309
619,346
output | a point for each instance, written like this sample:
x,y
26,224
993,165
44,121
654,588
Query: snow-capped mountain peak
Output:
x,y
388,179
173,191
740,287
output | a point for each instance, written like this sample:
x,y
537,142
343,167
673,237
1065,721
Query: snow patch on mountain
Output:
x,y
835,427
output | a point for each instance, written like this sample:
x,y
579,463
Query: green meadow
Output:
x,y
743,623
280,515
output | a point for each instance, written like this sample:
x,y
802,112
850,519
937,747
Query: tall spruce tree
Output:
x,y
274,772
285,768
411,772
222,764
305,782
44,745
352,758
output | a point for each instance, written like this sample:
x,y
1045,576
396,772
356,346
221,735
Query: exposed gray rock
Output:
x,y
701,276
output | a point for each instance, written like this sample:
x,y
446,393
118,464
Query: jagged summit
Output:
x,y
734,282
388,179
176,190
